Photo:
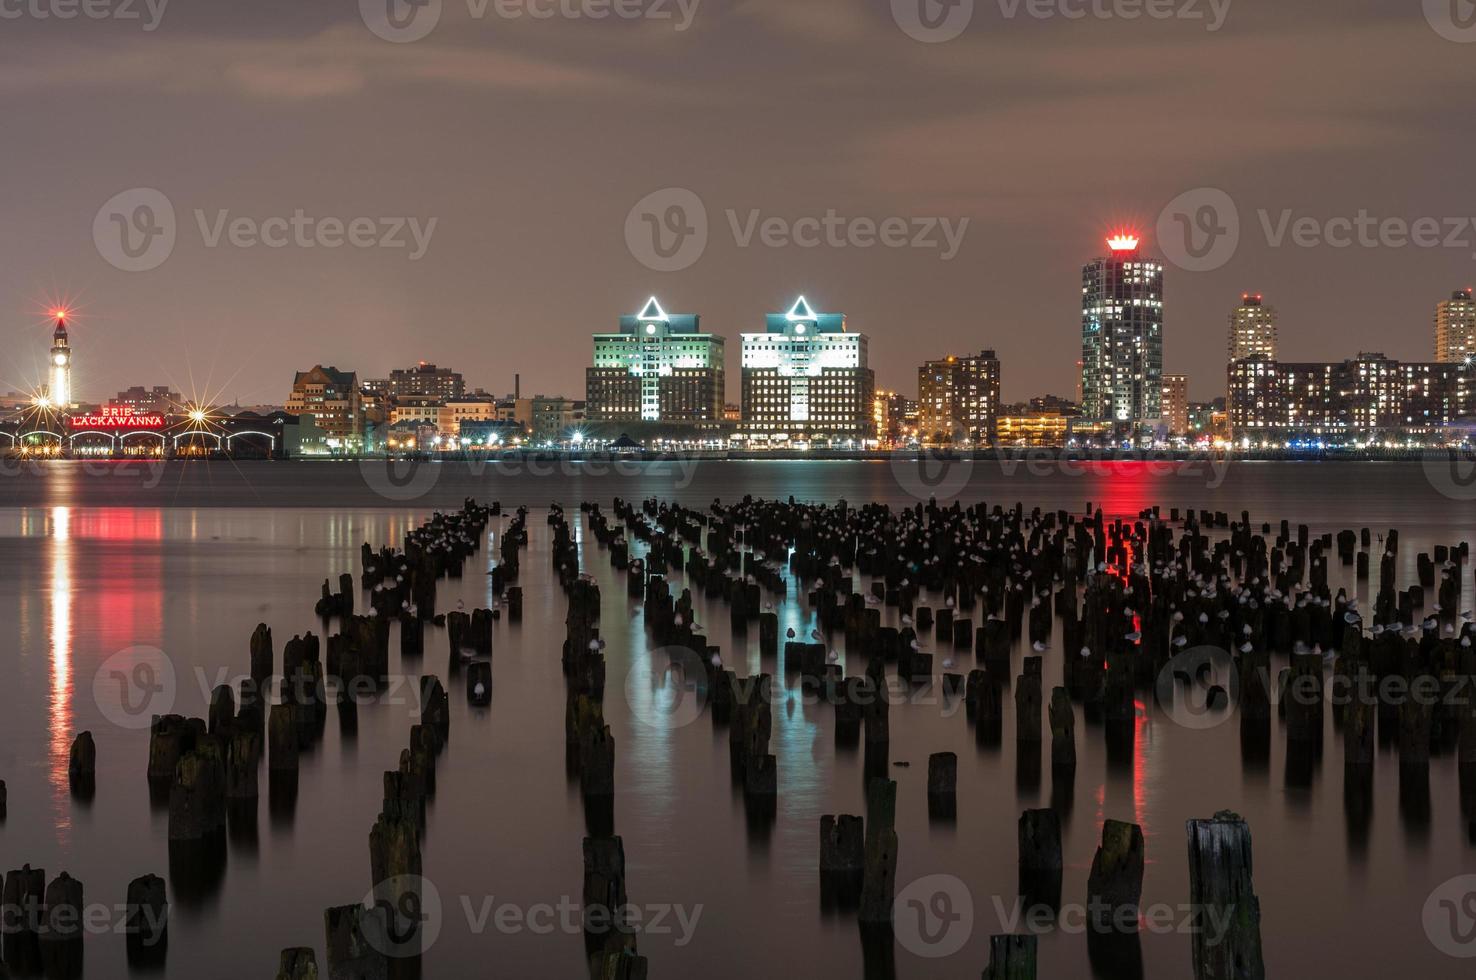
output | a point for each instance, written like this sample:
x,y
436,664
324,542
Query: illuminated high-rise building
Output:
x,y
59,391
1122,336
659,367
805,379
1176,403
1253,329
1455,328
958,400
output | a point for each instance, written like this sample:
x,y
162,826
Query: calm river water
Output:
x,y
187,558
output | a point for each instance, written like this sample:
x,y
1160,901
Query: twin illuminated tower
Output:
x,y
59,392
1122,337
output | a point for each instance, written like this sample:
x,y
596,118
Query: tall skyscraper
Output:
x,y
1176,403
659,367
1122,336
1253,329
958,399
805,379
59,391
1455,328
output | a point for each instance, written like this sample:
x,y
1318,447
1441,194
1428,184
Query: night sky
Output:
x,y
530,142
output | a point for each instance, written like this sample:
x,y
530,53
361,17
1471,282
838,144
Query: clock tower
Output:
x,y
60,391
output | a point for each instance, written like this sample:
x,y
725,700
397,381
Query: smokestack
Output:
x,y
517,386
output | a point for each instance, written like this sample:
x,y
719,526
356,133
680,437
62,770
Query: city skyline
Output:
x,y
1202,387
536,196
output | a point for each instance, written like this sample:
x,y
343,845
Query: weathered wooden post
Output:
x,y
82,765
879,878
604,896
282,748
61,940
1040,859
261,654
354,935
146,924
1011,958
298,963
197,800
22,905
1222,894
1115,884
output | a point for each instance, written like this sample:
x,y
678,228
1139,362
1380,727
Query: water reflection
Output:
x,y
60,713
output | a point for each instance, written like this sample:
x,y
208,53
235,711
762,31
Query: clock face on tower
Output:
x,y
60,360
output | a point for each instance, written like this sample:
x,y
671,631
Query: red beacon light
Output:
x,y
1123,243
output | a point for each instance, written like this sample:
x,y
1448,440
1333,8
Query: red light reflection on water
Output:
x,y
113,603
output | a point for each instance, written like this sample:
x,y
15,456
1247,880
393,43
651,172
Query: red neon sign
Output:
x,y
117,417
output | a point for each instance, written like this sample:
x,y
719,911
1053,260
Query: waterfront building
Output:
x,y
806,381
1455,328
657,368
426,381
158,400
1176,403
1253,329
333,399
1368,399
958,400
1122,337
895,418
